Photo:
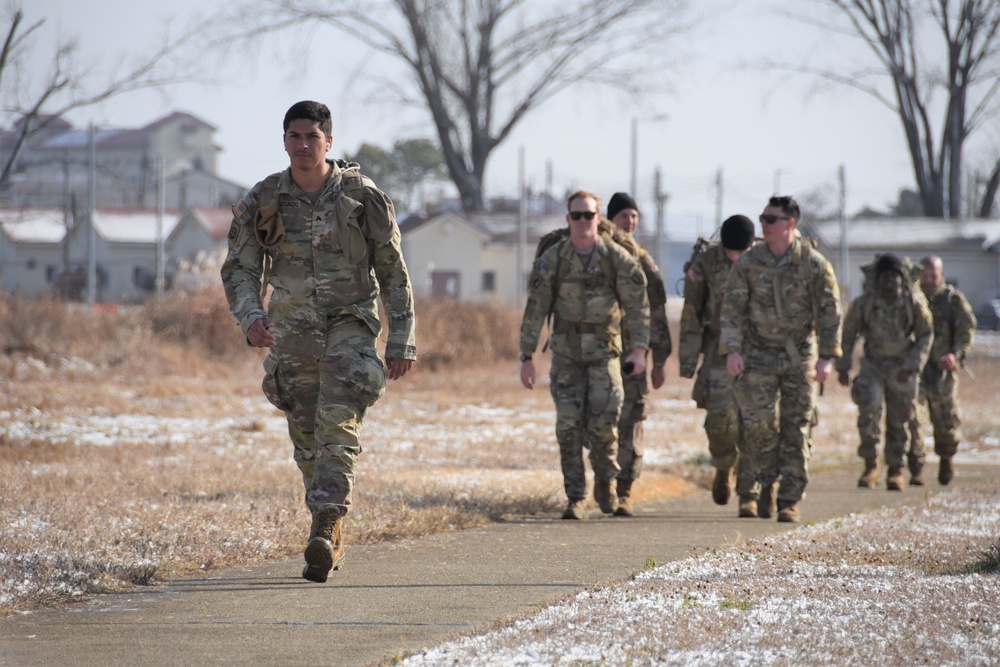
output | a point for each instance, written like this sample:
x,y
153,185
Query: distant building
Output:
x,y
970,250
53,170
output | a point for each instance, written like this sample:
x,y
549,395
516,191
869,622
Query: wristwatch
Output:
x,y
525,357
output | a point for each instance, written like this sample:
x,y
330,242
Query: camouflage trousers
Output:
x,y
635,409
874,387
324,401
776,399
588,399
939,389
713,391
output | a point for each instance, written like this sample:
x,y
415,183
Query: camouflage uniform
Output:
x,y
635,408
589,314
330,255
713,389
954,325
897,337
772,312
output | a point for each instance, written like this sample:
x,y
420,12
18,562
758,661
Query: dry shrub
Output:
x,y
198,319
449,332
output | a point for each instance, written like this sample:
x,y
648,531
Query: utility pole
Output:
x,y
845,274
161,187
718,198
522,226
92,214
661,223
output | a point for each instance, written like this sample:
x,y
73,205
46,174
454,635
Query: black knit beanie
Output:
x,y
619,202
889,262
737,233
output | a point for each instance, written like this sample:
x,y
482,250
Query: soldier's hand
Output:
x,y
397,368
823,367
687,373
528,374
948,362
734,364
259,334
659,376
843,378
637,357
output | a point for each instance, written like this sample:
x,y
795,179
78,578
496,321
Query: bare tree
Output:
x,y
479,66
965,68
31,104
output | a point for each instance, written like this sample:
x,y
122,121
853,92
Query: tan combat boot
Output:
x,y
748,507
894,482
605,495
946,470
766,506
869,478
574,510
325,550
916,476
788,511
722,486
624,500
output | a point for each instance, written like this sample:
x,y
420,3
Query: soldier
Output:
x,y
894,321
624,213
780,296
325,239
954,325
704,288
595,290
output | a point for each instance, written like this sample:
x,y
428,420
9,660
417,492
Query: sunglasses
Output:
x,y
771,219
587,215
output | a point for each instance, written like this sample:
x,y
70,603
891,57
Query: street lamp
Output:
x,y
635,147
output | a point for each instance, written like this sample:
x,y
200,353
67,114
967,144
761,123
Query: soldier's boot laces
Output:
x,y
766,506
722,486
869,478
788,511
605,495
624,498
946,470
748,507
325,551
894,482
574,510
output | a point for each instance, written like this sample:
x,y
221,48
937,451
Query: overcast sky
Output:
x,y
748,122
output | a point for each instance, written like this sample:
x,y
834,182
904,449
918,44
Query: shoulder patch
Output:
x,y
241,209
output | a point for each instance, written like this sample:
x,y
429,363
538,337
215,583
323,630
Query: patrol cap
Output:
x,y
889,262
737,233
619,202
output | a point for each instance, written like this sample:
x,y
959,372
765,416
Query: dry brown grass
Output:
x,y
136,444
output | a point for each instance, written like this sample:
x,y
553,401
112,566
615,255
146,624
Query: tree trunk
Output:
x,y
990,195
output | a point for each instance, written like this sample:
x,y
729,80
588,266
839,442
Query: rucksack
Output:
x,y
911,283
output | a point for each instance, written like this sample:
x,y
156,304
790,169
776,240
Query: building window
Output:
x,y
489,281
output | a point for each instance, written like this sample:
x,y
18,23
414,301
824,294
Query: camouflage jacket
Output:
x,y
699,328
898,330
954,323
587,311
327,260
781,302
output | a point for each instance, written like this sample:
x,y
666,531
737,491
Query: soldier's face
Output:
x,y
931,277
627,220
306,144
780,229
890,284
581,208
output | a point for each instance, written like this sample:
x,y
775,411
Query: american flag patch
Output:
x,y
239,209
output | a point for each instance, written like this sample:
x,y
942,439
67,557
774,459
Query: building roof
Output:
x,y
216,221
39,225
498,227
132,225
905,233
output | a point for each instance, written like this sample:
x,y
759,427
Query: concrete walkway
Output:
x,y
397,597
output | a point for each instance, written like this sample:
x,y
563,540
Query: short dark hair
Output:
x,y
309,110
787,205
